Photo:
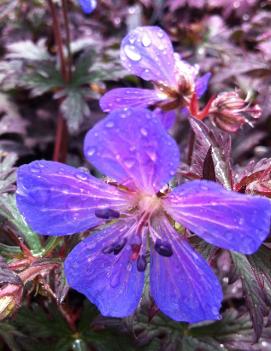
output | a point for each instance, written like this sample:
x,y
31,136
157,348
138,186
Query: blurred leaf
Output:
x,y
43,78
10,119
209,344
7,172
74,108
28,50
9,333
82,74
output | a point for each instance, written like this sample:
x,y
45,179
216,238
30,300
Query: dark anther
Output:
x,y
141,263
163,248
119,246
108,249
106,213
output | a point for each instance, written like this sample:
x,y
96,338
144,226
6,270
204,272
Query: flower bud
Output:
x,y
229,111
10,298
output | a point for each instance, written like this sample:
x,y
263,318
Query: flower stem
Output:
x,y
61,140
51,243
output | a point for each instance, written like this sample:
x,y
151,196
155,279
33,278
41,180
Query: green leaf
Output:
x,y
7,172
81,74
190,343
42,78
9,210
254,291
8,334
74,108
28,50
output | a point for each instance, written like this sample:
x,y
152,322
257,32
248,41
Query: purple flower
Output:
x,y
137,210
148,53
88,6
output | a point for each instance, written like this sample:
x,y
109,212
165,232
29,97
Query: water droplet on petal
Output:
x,y
152,155
241,221
91,151
160,34
132,40
146,40
143,131
129,162
215,310
131,53
42,196
35,168
161,47
115,280
81,176
109,124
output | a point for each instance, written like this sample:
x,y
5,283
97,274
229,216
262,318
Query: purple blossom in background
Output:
x,y
148,53
137,210
88,6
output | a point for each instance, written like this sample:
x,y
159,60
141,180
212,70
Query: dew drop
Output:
x,y
131,53
152,155
43,195
143,131
214,310
160,34
81,176
114,280
241,221
109,124
129,162
146,40
161,47
91,151
132,40
35,168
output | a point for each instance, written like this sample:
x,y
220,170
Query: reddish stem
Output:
x,y
61,139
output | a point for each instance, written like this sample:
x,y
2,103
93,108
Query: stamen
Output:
x,y
163,248
141,263
115,247
118,247
135,251
106,213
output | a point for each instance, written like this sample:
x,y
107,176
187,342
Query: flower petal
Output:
x,y
111,282
148,53
132,146
88,6
202,84
129,97
56,199
167,118
183,285
221,217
